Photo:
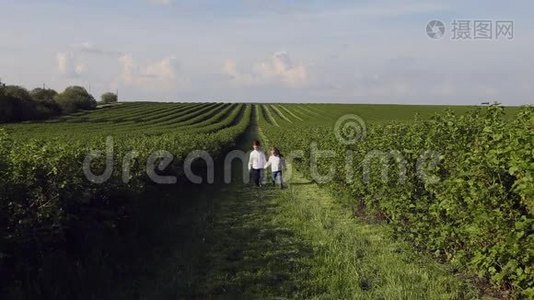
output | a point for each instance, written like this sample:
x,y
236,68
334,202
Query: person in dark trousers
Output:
x,y
256,163
277,163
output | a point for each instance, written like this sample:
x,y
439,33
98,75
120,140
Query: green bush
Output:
x,y
108,98
55,223
75,98
17,104
479,214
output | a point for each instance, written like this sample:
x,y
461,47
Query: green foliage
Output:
x,y
17,104
17,92
75,98
108,98
44,95
479,215
49,211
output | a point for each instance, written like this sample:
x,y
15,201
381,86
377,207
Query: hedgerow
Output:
x,y
474,206
52,216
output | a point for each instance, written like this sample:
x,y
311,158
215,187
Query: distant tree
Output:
x,y
46,107
75,98
45,95
16,104
7,107
109,98
17,92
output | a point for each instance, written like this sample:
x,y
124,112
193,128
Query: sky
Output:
x,y
271,50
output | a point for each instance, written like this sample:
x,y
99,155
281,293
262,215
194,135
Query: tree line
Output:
x,y
17,104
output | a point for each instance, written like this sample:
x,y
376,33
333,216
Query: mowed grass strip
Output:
x,y
356,260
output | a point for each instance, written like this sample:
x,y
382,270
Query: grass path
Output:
x,y
241,242
298,243
354,260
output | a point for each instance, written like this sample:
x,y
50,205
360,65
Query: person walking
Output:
x,y
256,163
277,163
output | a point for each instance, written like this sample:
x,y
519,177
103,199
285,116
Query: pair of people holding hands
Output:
x,y
257,163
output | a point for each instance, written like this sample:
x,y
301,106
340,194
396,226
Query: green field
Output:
x,y
161,118
376,229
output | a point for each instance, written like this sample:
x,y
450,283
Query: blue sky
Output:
x,y
284,51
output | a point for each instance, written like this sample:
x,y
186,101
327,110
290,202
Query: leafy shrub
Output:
x,y
17,104
55,223
75,98
108,98
479,214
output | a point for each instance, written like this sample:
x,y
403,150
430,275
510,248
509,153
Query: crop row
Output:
x,y
460,187
118,120
48,206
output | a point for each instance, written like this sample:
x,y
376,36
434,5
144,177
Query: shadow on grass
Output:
x,y
226,247
224,242
302,183
250,255
182,241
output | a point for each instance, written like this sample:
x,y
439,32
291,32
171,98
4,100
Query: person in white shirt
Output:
x,y
256,163
277,163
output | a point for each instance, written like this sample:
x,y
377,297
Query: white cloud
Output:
x,y
160,74
278,69
69,65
